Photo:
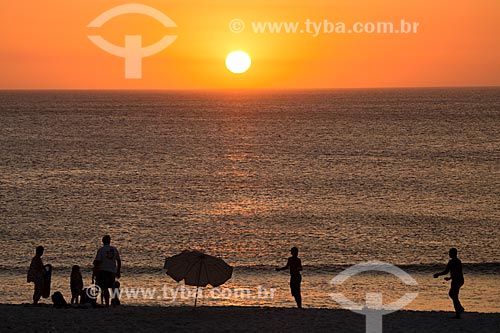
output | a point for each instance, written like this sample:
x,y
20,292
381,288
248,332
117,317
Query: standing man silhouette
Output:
x,y
295,266
454,267
107,264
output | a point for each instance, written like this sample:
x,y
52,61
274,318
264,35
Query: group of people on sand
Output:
x,y
106,269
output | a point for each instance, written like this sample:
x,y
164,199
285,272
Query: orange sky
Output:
x,y
44,45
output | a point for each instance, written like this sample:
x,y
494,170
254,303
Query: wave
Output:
x,y
471,268
484,268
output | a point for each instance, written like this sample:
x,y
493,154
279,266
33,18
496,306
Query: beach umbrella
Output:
x,y
197,269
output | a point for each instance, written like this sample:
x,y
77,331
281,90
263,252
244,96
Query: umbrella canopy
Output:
x,y
198,269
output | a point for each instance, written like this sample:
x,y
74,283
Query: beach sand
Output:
x,y
44,318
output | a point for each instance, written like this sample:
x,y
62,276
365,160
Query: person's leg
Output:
x,y
74,296
295,289
109,282
101,283
37,293
458,305
298,298
105,290
454,292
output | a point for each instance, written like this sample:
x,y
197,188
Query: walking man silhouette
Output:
x,y
454,267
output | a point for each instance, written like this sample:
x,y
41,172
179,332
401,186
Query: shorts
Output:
x,y
295,284
105,280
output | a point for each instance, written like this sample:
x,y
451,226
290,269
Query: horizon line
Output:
x,y
247,89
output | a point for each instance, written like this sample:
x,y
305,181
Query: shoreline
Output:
x,y
29,318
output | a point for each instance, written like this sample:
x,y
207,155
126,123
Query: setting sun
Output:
x,y
238,62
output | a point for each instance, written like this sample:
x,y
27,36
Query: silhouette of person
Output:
x,y
36,274
295,266
76,284
108,264
454,267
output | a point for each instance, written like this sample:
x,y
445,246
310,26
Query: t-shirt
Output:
x,y
107,257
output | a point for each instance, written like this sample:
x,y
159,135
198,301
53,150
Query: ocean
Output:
x,y
347,176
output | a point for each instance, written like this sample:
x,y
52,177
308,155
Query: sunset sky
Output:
x,y
44,45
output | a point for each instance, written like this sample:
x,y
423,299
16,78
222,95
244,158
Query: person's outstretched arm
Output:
x,y
284,267
446,271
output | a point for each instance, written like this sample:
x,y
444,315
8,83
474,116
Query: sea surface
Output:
x,y
347,176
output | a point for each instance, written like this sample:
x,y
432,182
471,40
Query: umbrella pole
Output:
x,y
196,297
198,285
